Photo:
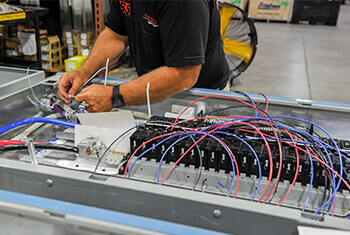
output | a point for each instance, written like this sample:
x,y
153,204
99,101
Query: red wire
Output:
x,y
189,149
267,101
333,208
9,142
281,159
296,170
218,96
268,150
173,133
157,137
12,142
312,155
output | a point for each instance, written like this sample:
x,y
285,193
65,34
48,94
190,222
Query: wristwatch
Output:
x,y
117,98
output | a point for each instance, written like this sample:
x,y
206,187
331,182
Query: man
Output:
x,y
175,45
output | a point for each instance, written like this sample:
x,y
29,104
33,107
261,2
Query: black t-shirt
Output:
x,y
172,33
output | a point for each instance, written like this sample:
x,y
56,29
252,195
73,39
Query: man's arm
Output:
x,y
108,45
164,83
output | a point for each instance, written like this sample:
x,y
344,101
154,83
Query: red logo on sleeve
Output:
x,y
125,7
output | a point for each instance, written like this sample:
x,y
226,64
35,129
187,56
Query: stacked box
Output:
x,y
13,47
72,39
278,10
84,51
64,52
11,30
30,57
43,33
54,64
51,53
74,63
87,38
52,43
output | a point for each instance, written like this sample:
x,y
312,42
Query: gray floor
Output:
x,y
301,61
296,61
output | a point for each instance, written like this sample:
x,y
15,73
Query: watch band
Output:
x,y
117,98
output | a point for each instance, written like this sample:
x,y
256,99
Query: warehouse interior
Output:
x,y
273,148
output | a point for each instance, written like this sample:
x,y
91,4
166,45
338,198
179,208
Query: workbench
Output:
x,y
53,198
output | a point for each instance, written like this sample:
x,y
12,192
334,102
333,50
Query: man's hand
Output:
x,y
70,83
98,97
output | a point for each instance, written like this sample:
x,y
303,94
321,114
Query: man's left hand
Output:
x,y
98,97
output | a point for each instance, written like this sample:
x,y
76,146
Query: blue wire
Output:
x,y
329,159
34,120
251,100
194,133
328,146
164,154
311,180
317,140
297,130
231,158
222,185
340,161
254,153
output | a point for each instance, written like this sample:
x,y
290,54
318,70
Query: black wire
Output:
x,y
194,141
248,97
231,107
113,142
164,122
268,117
40,146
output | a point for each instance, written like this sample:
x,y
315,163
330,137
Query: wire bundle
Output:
x,y
287,149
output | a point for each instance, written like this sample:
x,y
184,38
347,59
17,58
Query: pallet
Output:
x,y
315,21
271,21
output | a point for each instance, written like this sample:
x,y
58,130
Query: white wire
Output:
x,y
30,85
106,74
93,76
148,101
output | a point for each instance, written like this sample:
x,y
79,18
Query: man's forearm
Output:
x,y
108,45
164,83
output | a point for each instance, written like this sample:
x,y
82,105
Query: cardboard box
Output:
x,y
54,44
87,35
84,51
10,31
270,9
72,50
87,43
52,55
240,3
13,53
13,47
71,33
43,34
74,63
50,65
87,38
64,52
72,37
30,57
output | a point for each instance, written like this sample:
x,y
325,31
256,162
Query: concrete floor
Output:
x,y
296,61
301,61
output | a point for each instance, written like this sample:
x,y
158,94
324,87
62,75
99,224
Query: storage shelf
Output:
x,y
31,14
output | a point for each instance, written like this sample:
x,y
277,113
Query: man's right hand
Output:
x,y
70,83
